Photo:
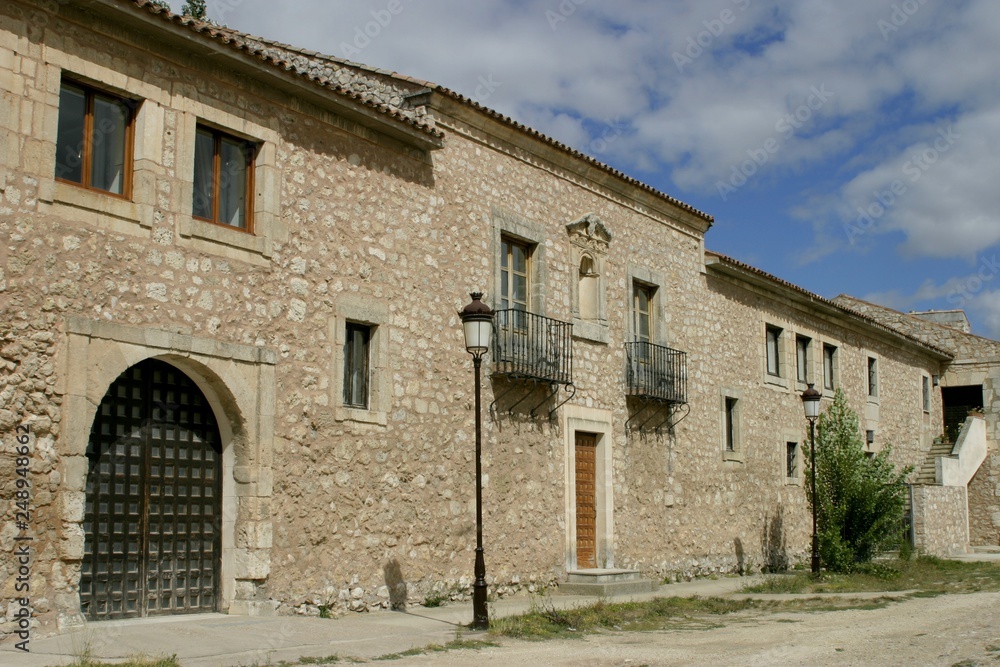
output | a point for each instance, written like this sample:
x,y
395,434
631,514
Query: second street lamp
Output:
x,y
477,323
810,402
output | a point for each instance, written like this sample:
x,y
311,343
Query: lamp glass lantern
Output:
x,y
477,322
810,402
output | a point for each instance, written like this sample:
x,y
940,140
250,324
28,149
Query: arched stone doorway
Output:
x,y
153,513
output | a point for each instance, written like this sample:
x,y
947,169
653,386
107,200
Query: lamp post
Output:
x,y
810,401
477,321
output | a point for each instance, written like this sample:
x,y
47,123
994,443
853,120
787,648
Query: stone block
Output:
x,y
251,564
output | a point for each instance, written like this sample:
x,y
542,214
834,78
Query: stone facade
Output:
x,y
367,215
936,531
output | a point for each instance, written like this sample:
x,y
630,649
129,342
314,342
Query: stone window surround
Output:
x,y
135,216
238,381
375,313
508,224
736,453
657,321
800,385
597,421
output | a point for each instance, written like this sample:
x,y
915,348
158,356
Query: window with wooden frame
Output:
x,y
642,318
223,179
94,139
515,257
357,345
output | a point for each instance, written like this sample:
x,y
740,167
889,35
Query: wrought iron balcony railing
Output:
x,y
656,372
530,346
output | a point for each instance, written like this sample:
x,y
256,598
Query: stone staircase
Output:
x,y
606,583
927,472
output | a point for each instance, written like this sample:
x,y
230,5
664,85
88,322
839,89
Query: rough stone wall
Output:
x,y
936,532
984,503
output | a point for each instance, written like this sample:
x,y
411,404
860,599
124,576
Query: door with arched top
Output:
x,y
153,514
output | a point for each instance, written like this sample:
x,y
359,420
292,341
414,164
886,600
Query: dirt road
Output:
x,y
953,631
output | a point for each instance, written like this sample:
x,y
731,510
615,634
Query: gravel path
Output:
x,y
953,630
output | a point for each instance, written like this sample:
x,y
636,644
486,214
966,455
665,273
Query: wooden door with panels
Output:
x,y
586,500
153,514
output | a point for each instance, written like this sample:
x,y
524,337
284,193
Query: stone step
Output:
x,y
606,583
927,472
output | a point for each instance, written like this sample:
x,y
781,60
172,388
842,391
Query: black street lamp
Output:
x,y
477,321
810,401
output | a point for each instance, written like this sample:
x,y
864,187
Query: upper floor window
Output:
x,y
802,346
94,139
642,312
773,351
791,460
872,377
357,345
514,258
222,178
829,364
927,393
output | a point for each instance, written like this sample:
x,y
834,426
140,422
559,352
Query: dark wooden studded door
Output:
x,y
586,500
153,512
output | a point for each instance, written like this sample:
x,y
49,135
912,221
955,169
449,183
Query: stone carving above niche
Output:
x,y
591,233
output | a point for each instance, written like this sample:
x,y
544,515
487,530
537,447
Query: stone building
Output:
x,y
230,282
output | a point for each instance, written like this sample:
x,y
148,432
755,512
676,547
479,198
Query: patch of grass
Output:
x,y
546,621
927,575
135,661
435,600
454,645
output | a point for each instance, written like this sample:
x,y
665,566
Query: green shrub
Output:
x,y
861,498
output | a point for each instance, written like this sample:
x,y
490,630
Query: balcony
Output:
x,y
655,372
532,347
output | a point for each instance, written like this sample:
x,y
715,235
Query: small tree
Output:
x,y
861,499
196,9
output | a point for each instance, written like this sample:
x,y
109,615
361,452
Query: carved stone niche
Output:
x,y
589,239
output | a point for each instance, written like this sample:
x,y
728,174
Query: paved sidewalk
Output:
x,y
220,640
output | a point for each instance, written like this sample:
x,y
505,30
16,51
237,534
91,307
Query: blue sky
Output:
x,y
849,147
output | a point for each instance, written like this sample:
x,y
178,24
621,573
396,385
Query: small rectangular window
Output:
x,y
223,176
356,355
802,345
791,459
731,424
94,139
773,335
927,393
829,363
872,377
